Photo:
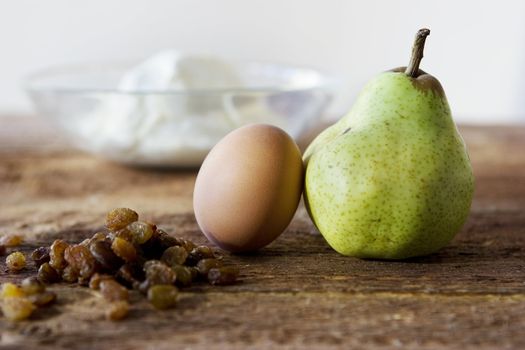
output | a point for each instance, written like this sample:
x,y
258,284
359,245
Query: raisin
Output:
x,y
124,249
94,281
117,310
56,254
205,265
141,231
130,275
15,262
104,255
80,258
167,241
223,275
70,274
11,290
3,250
194,272
158,273
122,233
188,245
43,299
99,236
120,217
84,280
111,290
163,296
31,285
199,253
152,249
151,262
183,275
174,256
40,255
47,274
17,309
11,240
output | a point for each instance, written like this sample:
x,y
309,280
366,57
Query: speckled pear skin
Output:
x,y
392,179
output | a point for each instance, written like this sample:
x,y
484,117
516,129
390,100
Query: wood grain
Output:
x,y
296,293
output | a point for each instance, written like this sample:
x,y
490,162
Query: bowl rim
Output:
x,y
30,82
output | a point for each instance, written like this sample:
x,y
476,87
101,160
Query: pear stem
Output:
x,y
417,53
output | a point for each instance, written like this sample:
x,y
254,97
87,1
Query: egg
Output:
x,y
248,188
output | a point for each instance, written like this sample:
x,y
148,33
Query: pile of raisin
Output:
x,y
131,254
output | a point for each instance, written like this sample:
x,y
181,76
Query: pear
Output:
x,y
392,179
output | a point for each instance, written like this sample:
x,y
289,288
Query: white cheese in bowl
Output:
x,y
146,125
171,109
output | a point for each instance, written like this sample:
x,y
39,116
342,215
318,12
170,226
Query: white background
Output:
x,y
476,48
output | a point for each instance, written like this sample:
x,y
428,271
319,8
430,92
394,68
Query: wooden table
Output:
x,y
296,293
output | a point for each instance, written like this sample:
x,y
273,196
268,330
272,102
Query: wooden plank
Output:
x,y
295,320
296,293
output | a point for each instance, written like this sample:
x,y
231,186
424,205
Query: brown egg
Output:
x,y
248,188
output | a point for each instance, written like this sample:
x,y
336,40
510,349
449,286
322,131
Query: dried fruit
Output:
x,y
199,253
40,255
47,274
152,249
183,275
122,233
70,274
18,302
124,249
11,290
166,240
117,310
223,275
111,290
15,262
99,236
31,285
56,254
12,240
120,217
141,231
188,245
194,272
17,309
158,273
205,265
43,299
3,250
104,255
94,282
133,253
174,256
130,275
80,258
163,296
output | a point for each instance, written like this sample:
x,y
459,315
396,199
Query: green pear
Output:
x,y
392,179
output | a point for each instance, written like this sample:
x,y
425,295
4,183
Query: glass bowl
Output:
x,y
174,127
